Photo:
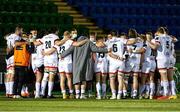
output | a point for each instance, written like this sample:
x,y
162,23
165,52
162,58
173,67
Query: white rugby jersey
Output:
x,y
148,53
38,52
11,39
117,45
48,43
137,46
64,47
164,50
101,57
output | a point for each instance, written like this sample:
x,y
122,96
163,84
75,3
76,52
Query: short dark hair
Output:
x,y
92,33
18,27
66,33
53,29
142,36
166,30
42,33
73,29
99,38
33,29
113,33
132,33
149,33
123,34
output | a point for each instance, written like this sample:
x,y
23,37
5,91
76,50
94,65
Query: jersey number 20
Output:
x,y
48,44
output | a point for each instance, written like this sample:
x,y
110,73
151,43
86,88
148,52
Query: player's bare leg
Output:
x,y
62,84
147,88
104,76
152,85
51,82
70,86
98,85
165,83
83,88
143,85
77,89
10,81
125,85
44,81
172,84
38,83
135,84
6,81
120,86
112,85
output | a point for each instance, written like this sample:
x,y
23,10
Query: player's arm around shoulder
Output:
x,y
79,43
131,41
49,52
153,43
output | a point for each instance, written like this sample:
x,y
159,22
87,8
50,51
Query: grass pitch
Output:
x,y
58,104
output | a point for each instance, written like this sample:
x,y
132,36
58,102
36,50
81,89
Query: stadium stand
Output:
x,y
139,14
33,13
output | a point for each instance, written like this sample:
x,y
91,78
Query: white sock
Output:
x,y
82,91
23,90
152,89
7,87
44,83
43,87
26,89
134,92
98,88
113,92
11,84
63,91
165,87
71,91
77,92
50,88
173,87
124,92
142,88
37,88
161,83
104,89
120,92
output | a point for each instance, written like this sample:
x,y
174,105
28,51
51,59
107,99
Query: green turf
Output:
x,y
58,104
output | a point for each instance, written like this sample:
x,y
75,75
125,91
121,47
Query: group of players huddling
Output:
x,y
130,63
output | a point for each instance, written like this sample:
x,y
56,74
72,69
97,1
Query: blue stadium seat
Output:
x,y
123,14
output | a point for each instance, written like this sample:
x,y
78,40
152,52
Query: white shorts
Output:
x,y
50,63
148,66
116,66
163,63
36,64
128,67
101,67
172,61
135,64
65,67
10,62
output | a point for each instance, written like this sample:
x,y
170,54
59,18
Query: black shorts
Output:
x,y
30,77
41,69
